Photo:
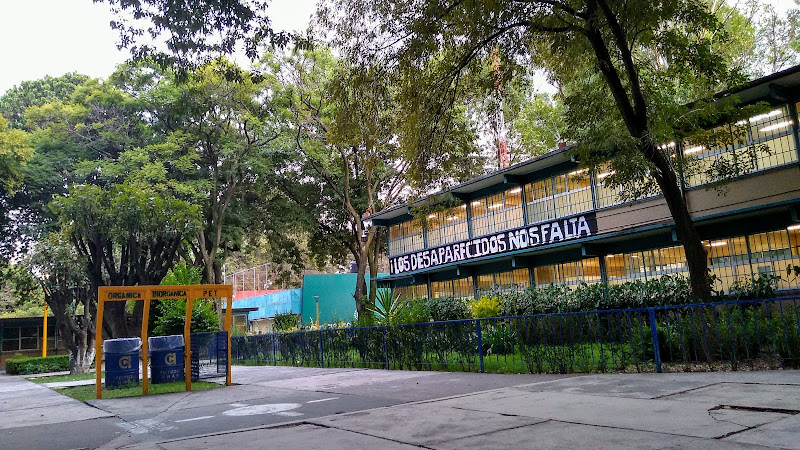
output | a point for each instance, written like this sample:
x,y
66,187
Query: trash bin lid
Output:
x,y
159,343
122,345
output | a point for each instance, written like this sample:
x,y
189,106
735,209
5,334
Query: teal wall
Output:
x,y
335,293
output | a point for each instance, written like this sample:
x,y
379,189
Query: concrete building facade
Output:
x,y
546,220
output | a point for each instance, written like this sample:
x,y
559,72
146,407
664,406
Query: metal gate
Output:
x,y
209,354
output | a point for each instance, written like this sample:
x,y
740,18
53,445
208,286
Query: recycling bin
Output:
x,y
166,358
122,361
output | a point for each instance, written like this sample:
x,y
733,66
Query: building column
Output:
x,y
795,127
469,219
524,203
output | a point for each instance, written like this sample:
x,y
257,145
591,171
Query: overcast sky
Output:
x,y
53,37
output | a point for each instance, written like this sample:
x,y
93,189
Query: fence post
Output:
x,y
480,342
319,337
385,348
654,335
274,349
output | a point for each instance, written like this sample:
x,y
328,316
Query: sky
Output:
x,y
54,37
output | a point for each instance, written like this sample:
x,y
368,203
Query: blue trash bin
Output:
x,y
166,358
122,361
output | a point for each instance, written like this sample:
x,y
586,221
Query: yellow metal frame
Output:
x,y
148,293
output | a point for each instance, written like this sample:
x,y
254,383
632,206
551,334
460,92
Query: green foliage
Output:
x,y
762,286
448,308
540,124
413,311
285,322
173,317
31,365
485,307
16,101
499,339
182,274
663,291
190,31
15,151
387,305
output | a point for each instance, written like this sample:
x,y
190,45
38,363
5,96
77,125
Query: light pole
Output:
x,y
316,299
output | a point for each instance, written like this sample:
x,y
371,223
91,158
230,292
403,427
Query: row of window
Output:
x,y
762,142
730,260
767,138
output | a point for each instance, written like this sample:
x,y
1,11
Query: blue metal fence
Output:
x,y
722,335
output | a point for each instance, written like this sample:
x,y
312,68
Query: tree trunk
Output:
x,y
82,354
78,338
116,317
360,294
696,256
373,273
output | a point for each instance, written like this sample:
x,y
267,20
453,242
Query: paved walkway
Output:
x,y
307,408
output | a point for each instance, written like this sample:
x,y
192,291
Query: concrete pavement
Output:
x,y
306,408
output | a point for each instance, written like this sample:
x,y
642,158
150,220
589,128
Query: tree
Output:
x,y
96,121
631,66
128,236
777,39
340,123
222,129
193,32
14,155
15,102
58,268
540,124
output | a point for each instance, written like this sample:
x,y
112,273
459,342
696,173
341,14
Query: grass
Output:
x,y
83,393
60,378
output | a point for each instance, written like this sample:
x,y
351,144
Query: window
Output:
x,y
496,213
559,196
21,338
771,130
452,288
448,226
404,238
570,273
728,262
503,282
412,292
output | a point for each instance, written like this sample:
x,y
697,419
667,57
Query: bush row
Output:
x,y
29,365
664,291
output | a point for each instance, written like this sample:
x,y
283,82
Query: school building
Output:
x,y
545,220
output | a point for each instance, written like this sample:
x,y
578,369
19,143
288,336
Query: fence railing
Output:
x,y
209,354
723,335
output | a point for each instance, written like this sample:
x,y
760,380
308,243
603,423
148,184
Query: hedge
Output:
x,y
26,366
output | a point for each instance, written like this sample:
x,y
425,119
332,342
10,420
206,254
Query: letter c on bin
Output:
x,y
125,362
169,359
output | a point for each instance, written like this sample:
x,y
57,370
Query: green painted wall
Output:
x,y
335,293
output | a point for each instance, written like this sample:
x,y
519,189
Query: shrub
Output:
x,y
413,311
286,321
448,308
485,307
173,316
761,287
517,303
26,366
387,302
